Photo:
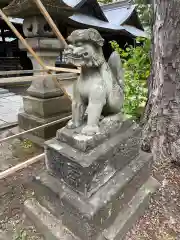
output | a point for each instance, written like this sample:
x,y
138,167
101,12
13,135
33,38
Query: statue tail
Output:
x,y
115,64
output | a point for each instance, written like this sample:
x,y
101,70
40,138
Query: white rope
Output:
x,y
21,166
36,128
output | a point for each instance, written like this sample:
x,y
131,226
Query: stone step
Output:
x,y
128,216
129,180
102,208
47,224
52,228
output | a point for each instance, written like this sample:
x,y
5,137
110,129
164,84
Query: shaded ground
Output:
x,y
160,222
13,191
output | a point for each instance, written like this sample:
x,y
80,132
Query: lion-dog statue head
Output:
x,y
85,48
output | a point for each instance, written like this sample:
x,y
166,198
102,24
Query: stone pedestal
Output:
x,y
95,187
45,103
46,48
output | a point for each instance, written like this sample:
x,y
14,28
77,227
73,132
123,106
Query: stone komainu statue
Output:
x,y
99,88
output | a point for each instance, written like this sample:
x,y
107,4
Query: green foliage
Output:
x,y
136,64
27,144
145,13
20,235
105,1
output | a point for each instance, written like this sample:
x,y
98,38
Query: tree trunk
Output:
x,y
162,130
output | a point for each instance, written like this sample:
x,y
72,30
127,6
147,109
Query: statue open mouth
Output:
x,y
77,59
73,57
76,56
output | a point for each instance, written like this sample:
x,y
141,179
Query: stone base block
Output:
x,y
96,186
84,167
51,227
45,108
45,86
129,215
27,122
83,143
99,217
88,216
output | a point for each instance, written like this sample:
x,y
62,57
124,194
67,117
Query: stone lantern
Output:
x,y
38,33
45,102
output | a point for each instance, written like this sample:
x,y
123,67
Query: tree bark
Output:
x,y
162,130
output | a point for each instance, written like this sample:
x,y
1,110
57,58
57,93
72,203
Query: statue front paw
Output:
x,y
71,124
90,130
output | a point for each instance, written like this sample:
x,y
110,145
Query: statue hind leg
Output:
x,y
113,110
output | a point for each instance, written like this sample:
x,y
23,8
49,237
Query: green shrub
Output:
x,y
136,64
20,235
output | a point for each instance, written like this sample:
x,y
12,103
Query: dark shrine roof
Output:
x,y
112,18
119,16
90,7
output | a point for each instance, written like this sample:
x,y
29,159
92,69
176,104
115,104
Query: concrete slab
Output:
x,y
9,108
4,95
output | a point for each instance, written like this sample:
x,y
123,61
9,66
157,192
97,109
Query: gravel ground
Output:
x,y
13,190
162,220
13,193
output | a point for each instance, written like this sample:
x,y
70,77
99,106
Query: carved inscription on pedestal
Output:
x,y
70,172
